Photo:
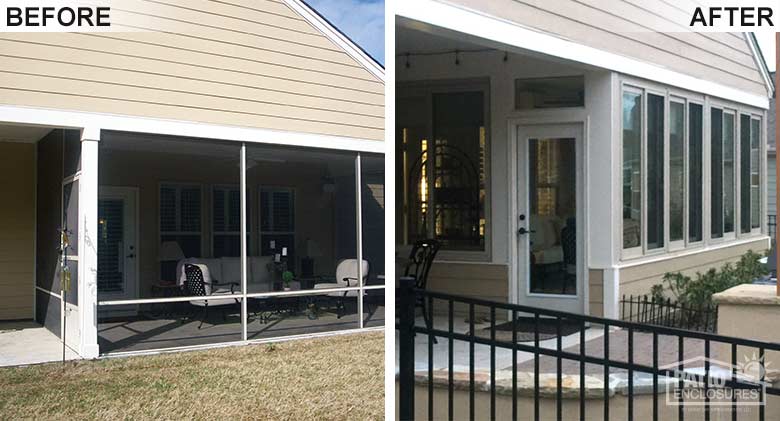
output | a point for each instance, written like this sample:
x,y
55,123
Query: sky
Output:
x,y
362,20
766,40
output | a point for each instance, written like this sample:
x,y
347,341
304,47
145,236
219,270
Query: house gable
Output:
x,y
257,64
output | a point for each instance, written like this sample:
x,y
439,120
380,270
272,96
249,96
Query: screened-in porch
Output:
x,y
182,263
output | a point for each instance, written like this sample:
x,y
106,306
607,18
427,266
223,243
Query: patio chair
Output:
x,y
198,284
346,276
569,243
420,261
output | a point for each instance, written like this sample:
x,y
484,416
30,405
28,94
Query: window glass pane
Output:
x,y
457,173
190,209
716,186
632,170
744,173
277,213
729,174
676,170
695,186
755,175
168,208
655,171
412,194
218,210
552,92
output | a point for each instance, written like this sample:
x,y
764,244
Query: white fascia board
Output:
x,y
495,29
336,36
96,121
760,61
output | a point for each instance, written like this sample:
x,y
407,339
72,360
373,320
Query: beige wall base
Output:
x,y
17,230
751,312
638,279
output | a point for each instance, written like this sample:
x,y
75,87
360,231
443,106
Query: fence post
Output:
x,y
405,310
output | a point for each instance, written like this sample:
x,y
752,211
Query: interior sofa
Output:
x,y
225,270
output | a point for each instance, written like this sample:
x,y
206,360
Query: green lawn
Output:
x,y
340,377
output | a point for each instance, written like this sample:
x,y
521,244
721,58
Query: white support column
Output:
x,y
612,293
359,231
244,249
88,224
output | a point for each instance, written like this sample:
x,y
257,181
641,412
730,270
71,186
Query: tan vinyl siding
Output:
x,y
240,62
17,230
638,280
596,292
485,281
626,27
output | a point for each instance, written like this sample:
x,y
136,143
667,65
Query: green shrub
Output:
x,y
697,292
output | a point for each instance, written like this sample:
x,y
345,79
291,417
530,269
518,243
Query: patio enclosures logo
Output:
x,y
706,382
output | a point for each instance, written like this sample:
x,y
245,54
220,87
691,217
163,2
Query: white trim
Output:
x,y
46,291
94,122
750,37
242,237
479,24
239,295
611,287
359,236
337,37
240,343
690,252
88,223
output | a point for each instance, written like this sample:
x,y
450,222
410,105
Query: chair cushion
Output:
x,y
231,269
258,267
215,268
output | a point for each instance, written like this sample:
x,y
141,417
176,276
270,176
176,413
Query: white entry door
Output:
x,y
117,246
549,217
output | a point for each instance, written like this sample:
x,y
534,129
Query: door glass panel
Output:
x,y
111,246
552,217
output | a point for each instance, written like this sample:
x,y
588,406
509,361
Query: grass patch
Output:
x,y
337,378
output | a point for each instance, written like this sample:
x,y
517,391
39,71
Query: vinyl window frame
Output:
x,y
638,254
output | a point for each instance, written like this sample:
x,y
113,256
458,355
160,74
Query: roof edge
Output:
x,y
758,55
340,38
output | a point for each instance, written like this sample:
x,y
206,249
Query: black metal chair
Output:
x,y
419,266
196,286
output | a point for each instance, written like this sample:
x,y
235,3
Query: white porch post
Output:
x,y
88,205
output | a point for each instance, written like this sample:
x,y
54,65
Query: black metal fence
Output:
x,y
623,332
665,312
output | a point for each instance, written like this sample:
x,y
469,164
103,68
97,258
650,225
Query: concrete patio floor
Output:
x,y
27,342
481,352
147,333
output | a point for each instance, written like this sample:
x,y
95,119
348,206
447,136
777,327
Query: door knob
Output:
x,y
522,231
131,255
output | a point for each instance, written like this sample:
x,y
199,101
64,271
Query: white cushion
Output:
x,y
231,270
258,267
215,268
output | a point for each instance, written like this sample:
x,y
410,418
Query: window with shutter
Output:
x,y
226,221
180,217
277,221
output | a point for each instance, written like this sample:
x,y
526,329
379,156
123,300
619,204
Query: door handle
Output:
x,y
523,231
131,255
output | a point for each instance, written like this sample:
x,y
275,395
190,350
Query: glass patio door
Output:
x,y
549,217
117,248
